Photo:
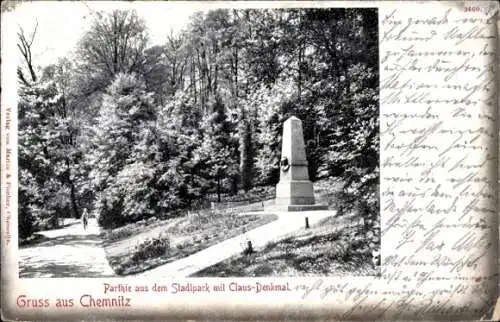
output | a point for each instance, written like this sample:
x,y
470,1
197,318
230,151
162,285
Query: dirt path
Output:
x,y
286,223
67,252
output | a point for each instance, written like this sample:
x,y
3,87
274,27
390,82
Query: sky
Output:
x,y
62,24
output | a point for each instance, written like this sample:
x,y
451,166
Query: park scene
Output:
x,y
244,143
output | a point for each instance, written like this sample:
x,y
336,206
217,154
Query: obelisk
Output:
x,y
294,192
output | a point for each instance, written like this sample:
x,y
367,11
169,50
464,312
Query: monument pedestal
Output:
x,y
292,208
295,195
294,192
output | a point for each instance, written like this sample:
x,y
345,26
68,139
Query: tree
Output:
x,y
165,67
114,44
270,106
181,165
42,160
246,152
125,152
24,45
47,143
218,148
61,73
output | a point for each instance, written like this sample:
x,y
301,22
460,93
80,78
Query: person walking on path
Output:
x,y
85,219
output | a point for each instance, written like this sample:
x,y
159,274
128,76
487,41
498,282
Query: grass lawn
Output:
x,y
335,246
144,245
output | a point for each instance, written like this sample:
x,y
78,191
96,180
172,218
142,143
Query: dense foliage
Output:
x,y
131,131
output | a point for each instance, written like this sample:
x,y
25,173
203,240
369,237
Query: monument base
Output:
x,y
294,192
291,208
294,195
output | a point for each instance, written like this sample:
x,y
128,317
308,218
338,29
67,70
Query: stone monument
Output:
x,y
294,192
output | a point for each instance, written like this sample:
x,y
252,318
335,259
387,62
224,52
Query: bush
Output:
x,y
255,194
111,217
151,248
120,233
151,220
26,225
47,223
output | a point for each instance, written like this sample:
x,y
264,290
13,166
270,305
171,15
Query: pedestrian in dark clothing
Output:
x,y
85,219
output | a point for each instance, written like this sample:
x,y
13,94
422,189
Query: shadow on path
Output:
x,y
69,240
67,252
57,270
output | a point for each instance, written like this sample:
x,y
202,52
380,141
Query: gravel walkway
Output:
x,y
67,252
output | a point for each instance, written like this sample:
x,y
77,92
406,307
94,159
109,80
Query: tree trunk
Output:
x,y
299,85
246,153
218,189
73,200
193,79
74,206
236,73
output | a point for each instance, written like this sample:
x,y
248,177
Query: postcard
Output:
x,y
291,160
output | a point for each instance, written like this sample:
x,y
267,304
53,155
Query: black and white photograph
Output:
x,y
164,141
